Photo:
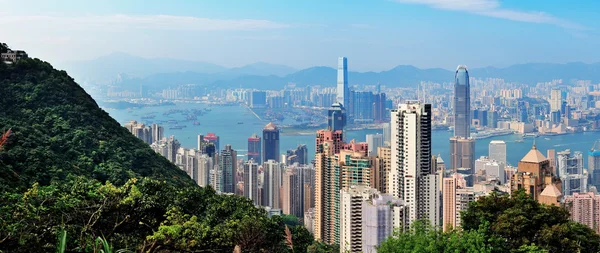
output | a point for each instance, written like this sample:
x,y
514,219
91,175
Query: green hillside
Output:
x,y
58,129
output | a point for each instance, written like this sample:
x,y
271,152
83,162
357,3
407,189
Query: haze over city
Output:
x,y
375,36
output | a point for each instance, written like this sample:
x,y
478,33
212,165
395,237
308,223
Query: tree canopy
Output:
x,y
501,223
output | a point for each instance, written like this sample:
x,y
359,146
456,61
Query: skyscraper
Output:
x,y
271,142
497,151
298,155
336,117
292,193
556,100
228,166
157,132
412,178
272,183
456,198
254,148
594,165
251,181
212,138
585,209
343,93
462,103
571,173
375,141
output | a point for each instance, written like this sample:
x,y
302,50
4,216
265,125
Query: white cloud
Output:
x,y
492,8
166,22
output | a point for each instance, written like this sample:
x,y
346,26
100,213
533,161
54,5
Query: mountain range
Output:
x,y
160,73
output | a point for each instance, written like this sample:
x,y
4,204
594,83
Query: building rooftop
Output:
x,y
270,126
534,156
551,191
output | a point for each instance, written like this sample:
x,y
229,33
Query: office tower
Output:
x,y
205,164
228,166
298,155
251,181
380,215
381,169
387,134
571,173
462,155
254,148
375,141
157,132
594,165
585,209
336,117
411,177
380,112
343,93
534,175
272,183
212,138
556,100
292,196
492,119
362,105
456,198
493,169
327,187
354,165
271,142
351,233
497,151
462,103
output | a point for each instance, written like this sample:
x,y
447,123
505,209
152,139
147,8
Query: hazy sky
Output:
x,y
374,35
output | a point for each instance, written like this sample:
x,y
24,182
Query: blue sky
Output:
x,y
374,35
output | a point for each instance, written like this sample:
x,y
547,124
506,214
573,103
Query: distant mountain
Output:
x,y
261,69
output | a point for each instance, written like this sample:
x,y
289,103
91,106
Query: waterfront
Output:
x,y
223,121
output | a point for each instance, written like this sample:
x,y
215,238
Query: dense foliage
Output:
x,y
68,168
501,223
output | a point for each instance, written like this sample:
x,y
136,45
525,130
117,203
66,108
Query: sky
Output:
x,y
375,35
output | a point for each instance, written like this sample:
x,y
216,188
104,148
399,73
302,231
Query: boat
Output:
x,y
196,123
239,123
176,127
519,141
547,138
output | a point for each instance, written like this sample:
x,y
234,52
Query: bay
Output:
x,y
225,121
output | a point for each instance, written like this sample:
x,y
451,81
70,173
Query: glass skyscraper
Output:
x,y
343,93
462,103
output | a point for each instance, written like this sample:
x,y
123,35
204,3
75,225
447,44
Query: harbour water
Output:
x,y
225,121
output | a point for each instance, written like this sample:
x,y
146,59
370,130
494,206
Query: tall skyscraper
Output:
x,y
381,169
462,155
228,166
343,93
352,199
212,138
271,142
251,181
157,132
254,148
205,164
462,103
456,198
298,155
571,173
412,178
497,151
556,100
336,117
272,183
292,193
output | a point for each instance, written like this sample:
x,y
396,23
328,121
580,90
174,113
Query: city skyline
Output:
x,y
375,37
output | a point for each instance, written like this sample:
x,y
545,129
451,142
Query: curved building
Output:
x,y
462,103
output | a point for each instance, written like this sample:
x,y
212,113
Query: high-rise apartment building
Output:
x,y
343,92
140,131
493,170
271,142
251,181
585,209
571,172
381,215
556,100
157,132
462,103
381,169
411,177
456,198
298,155
228,166
272,183
205,164
497,151
351,223
462,155
354,165
387,134
254,149
292,193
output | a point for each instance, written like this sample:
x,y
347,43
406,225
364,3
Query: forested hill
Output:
x,y
57,129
